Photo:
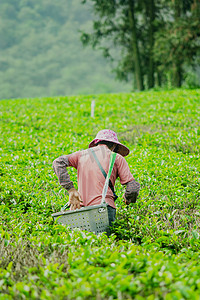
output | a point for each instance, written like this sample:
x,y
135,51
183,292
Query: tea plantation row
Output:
x,y
154,249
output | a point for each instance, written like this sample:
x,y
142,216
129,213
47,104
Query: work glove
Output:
x,y
131,200
74,199
127,202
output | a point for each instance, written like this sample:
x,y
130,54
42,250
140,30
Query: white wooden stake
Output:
x,y
92,108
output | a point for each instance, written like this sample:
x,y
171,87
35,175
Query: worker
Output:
x,y
92,166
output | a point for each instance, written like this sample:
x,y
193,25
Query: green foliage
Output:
x,y
115,33
153,252
192,79
177,40
157,41
41,53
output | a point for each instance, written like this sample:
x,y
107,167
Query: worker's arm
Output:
x,y
60,165
126,178
132,191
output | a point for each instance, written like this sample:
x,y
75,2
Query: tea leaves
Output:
x,y
153,252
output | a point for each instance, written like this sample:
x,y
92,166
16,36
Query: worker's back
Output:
x,y
90,178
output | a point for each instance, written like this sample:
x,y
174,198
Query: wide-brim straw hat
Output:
x,y
110,136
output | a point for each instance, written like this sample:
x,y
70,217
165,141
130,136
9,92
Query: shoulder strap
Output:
x,y
103,172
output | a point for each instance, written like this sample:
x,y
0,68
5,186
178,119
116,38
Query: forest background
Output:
x,y
41,53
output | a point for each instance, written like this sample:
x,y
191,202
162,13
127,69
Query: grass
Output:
x,y
153,252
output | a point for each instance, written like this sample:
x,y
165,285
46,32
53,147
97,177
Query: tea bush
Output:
x,y
153,251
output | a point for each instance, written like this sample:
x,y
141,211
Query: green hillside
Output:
x,y
153,252
41,53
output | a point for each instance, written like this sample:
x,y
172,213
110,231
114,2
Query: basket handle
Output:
x,y
105,188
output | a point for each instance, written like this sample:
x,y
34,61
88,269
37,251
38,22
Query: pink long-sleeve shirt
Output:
x,y
90,178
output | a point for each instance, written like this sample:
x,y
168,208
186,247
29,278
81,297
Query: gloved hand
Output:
x,y
131,200
132,192
127,202
74,199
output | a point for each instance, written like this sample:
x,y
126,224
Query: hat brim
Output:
x,y
123,150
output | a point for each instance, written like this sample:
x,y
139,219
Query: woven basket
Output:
x,y
91,218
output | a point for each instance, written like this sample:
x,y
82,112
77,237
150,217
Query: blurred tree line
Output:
x,y
149,43
41,53
159,40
